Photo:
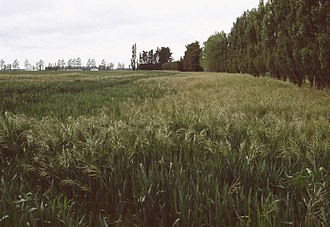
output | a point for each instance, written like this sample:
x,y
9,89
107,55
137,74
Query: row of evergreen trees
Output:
x,y
289,39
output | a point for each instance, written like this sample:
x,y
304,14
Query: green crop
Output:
x,y
162,149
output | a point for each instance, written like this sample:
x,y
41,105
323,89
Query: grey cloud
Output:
x,y
106,29
19,7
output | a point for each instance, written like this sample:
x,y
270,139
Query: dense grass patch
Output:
x,y
71,94
162,149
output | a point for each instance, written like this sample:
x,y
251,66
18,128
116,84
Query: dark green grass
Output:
x,y
71,94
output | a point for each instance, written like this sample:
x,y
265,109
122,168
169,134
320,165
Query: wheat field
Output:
x,y
162,148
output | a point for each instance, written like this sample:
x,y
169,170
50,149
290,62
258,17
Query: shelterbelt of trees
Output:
x,y
162,59
289,39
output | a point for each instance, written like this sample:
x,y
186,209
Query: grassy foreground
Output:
x,y
162,149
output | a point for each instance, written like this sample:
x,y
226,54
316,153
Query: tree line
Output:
x,y
61,64
153,59
159,59
162,59
9,66
287,39
76,64
16,65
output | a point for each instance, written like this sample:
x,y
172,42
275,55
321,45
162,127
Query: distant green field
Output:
x,y
72,94
162,149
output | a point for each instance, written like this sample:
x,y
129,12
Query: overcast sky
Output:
x,y
106,29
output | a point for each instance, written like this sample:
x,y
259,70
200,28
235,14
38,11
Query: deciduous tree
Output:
x,y
27,65
191,60
15,64
164,55
133,60
40,65
2,64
